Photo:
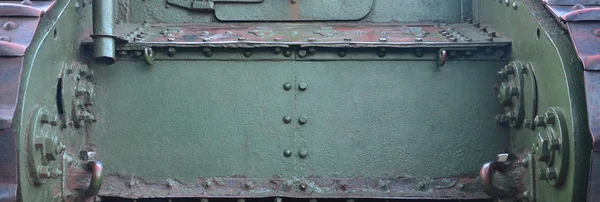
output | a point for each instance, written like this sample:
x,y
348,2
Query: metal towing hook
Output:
x,y
95,168
502,179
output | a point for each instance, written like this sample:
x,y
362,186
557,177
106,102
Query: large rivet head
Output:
x,y
9,25
5,38
287,119
287,86
303,119
287,153
303,153
302,53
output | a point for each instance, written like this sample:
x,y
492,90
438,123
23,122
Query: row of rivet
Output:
x,y
514,4
8,26
207,51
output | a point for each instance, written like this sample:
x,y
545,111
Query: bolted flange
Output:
x,y
552,148
43,148
510,94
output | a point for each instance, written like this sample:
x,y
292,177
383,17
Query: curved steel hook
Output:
x,y
148,55
442,56
95,167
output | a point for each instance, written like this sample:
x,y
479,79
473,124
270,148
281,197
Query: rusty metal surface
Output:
x,y
8,166
582,19
25,8
16,34
330,35
583,24
131,187
10,77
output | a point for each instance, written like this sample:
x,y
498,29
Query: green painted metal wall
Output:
x,y
187,119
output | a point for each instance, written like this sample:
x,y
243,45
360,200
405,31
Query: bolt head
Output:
x,y
303,153
303,186
303,119
43,172
302,86
302,53
342,53
247,53
287,53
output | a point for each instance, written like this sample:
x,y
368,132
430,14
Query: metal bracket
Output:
x,y
206,5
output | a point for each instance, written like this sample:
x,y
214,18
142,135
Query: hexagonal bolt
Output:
x,y
547,174
303,153
302,86
55,173
43,172
539,121
303,119
87,155
86,117
49,119
549,118
51,146
554,144
543,147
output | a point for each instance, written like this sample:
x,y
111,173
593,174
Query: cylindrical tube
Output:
x,y
103,20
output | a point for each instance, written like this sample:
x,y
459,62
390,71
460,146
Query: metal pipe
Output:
x,y
103,20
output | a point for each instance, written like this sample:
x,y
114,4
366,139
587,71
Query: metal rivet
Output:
x,y
207,51
312,50
247,53
383,39
303,186
381,52
277,50
347,39
171,39
278,199
5,38
287,53
507,2
287,153
171,52
303,152
9,25
302,53
287,119
242,39
515,5
342,53
419,39
205,39
312,39
303,119
419,52
303,86
276,39
26,2
287,86
205,33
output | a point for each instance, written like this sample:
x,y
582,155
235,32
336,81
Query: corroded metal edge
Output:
x,y
132,187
